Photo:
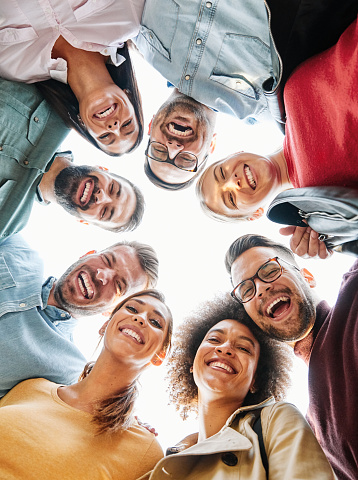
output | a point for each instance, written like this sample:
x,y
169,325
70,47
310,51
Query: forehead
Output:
x,y
153,304
247,264
233,327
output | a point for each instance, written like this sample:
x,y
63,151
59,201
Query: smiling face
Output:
x,y
285,308
109,117
95,196
183,125
137,331
226,361
240,184
94,283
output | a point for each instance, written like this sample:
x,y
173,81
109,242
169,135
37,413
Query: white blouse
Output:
x,y
29,29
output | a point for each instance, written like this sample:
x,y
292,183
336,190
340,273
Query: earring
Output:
x,y
252,390
80,121
191,370
158,360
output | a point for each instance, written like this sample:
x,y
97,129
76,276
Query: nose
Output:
x,y
113,125
225,349
104,275
235,181
141,319
174,148
101,196
262,287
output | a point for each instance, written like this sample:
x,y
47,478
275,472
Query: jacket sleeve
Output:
x,y
292,449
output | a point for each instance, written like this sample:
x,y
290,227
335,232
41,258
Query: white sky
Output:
x,y
190,246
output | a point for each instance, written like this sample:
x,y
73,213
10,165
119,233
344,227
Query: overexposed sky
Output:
x,y
190,246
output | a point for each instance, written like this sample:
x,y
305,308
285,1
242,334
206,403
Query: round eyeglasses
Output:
x,y
183,160
268,273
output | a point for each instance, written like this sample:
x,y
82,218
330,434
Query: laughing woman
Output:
x,y
86,431
228,372
82,44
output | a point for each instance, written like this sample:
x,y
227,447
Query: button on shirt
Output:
x,y
30,29
218,52
35,338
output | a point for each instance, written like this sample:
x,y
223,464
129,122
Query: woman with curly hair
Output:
x,y
225,369
86,431
78,51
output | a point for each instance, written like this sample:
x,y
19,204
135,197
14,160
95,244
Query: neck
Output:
x,y
47,184
283,179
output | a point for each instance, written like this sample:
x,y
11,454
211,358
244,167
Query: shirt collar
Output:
x,y
53,312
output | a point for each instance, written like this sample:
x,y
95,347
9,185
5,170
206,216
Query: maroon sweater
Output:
x,y
331,352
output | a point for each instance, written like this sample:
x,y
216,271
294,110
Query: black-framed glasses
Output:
x,y
184,160
268,273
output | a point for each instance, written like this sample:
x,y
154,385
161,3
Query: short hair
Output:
x,y
171,186
61,98
273,368
245,242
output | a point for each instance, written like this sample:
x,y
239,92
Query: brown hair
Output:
x,y
114,413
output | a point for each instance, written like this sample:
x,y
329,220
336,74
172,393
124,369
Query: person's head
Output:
x,y
137,335
181,138
99,197
112,118
218,351
275,293
238,187
96,281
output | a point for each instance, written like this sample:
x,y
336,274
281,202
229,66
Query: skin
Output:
x,y
304,242
199,122
110,274
297,317
122,358
230,190
221,391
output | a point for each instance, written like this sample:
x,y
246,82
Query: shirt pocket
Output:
x,y
84,8
6,279
244,62
11,36
166,25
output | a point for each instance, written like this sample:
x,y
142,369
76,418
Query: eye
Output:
x,y
106,260
104,211
111,188
155,323
127,124
213,339
244,349
118,288
222,173
131,309
231,200
104,136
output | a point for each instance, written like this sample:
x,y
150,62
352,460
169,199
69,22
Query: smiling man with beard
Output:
x,y
37,318
278,297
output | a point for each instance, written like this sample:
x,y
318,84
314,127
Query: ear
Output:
x,y
212,144
150,125
91,252
106,314
158,358
307,275
103,328
82,221
259,212
104,169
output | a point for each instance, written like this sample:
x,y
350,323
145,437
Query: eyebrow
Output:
x,y
242,337
142,303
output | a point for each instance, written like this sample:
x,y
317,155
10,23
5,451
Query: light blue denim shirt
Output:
x,y
30,134
35,339
217,52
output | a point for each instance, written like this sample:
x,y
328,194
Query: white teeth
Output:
x,y
250,177
85,192
222,365
133,334
86,289
180,133
280,299
105,113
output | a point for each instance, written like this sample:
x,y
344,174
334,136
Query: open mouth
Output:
x,y
180,130
86,193
131,333
84,283
222,366
249,177
278,307
106,112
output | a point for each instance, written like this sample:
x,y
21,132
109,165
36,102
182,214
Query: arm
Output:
x,y
292,449
305,243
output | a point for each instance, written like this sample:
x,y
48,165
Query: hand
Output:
x,y
147,426
305,243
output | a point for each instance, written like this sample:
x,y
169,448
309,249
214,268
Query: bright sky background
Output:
x,y
190,246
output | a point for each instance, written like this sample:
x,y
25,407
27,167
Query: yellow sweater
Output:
x,y
43,438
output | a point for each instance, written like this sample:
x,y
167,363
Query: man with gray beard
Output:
x,y
278,297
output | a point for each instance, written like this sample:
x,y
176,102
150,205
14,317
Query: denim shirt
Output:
x,y
35,338
30,134
217,52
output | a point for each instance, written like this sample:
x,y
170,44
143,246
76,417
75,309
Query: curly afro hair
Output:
x,y
273,369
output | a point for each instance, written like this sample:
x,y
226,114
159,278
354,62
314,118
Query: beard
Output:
x,y
66,186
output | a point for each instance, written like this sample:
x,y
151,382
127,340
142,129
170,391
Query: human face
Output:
x,y
284,309
182,125
226,361
95,282
137,331
109,117
240,184
95,196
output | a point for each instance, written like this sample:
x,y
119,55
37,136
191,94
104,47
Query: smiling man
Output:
x,y
278,297
37,319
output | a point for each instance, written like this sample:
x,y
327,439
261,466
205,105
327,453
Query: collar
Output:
x,y
53,312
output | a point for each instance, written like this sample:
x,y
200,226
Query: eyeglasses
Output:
x,y
268,273
183,160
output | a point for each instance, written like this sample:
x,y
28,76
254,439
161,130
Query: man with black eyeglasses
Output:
x,y
278,297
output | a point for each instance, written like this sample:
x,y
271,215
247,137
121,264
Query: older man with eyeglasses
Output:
x,y
278,296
